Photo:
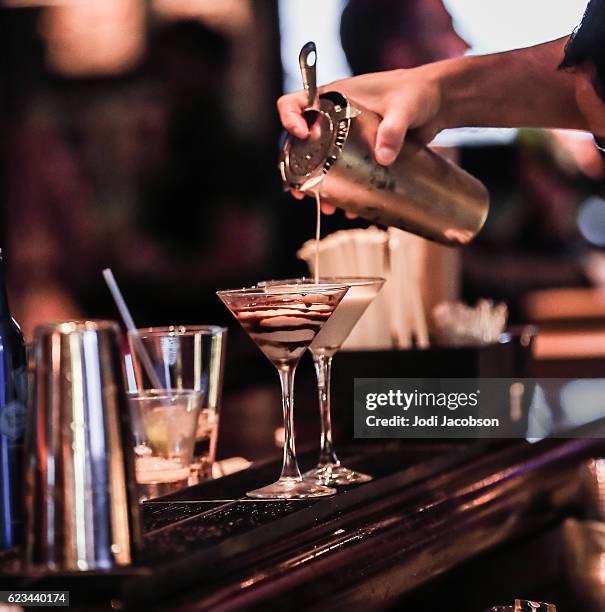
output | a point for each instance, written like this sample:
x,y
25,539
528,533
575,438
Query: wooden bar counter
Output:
x,y
433,509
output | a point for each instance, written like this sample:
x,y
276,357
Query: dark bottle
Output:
x,y
13,396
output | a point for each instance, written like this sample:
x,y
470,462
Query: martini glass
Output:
x,y
283,319
362,291
327,343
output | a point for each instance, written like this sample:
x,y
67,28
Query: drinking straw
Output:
x,y
328,258
398,283
371,244
360,336
131,381
417,307
131,327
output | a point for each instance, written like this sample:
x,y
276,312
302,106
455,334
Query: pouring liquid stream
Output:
x,y
317,235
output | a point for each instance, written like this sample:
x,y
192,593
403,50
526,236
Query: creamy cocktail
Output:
x,y
283,319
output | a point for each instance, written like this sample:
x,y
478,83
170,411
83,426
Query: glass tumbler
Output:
x,y
164,424
188,357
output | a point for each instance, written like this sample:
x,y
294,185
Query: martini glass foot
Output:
x,y
336,474
291,488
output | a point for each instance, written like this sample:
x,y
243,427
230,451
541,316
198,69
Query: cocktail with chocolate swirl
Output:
x,y
283,319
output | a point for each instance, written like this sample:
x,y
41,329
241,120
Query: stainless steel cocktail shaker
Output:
x,y
81,506
421,192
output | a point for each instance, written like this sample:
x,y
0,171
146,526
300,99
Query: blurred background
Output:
x,y
143,136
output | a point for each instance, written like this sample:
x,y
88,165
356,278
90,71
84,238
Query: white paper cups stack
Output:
x,y
396,318
407,257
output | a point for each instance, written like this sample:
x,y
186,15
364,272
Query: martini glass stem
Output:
x,y
290,466
323,370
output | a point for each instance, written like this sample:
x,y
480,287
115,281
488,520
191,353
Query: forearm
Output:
x,y
521,88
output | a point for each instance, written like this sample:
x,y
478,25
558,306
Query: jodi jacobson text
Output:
x,y
432,421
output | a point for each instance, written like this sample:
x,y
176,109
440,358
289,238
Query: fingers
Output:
x,y
290,109
328,209
350,215
391,132
299,195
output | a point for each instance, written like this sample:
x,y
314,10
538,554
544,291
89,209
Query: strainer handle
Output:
x,y
307,59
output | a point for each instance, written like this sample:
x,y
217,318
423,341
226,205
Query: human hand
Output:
x,y
404,99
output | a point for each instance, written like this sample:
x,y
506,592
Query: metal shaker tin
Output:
x,y
81,507
421,192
